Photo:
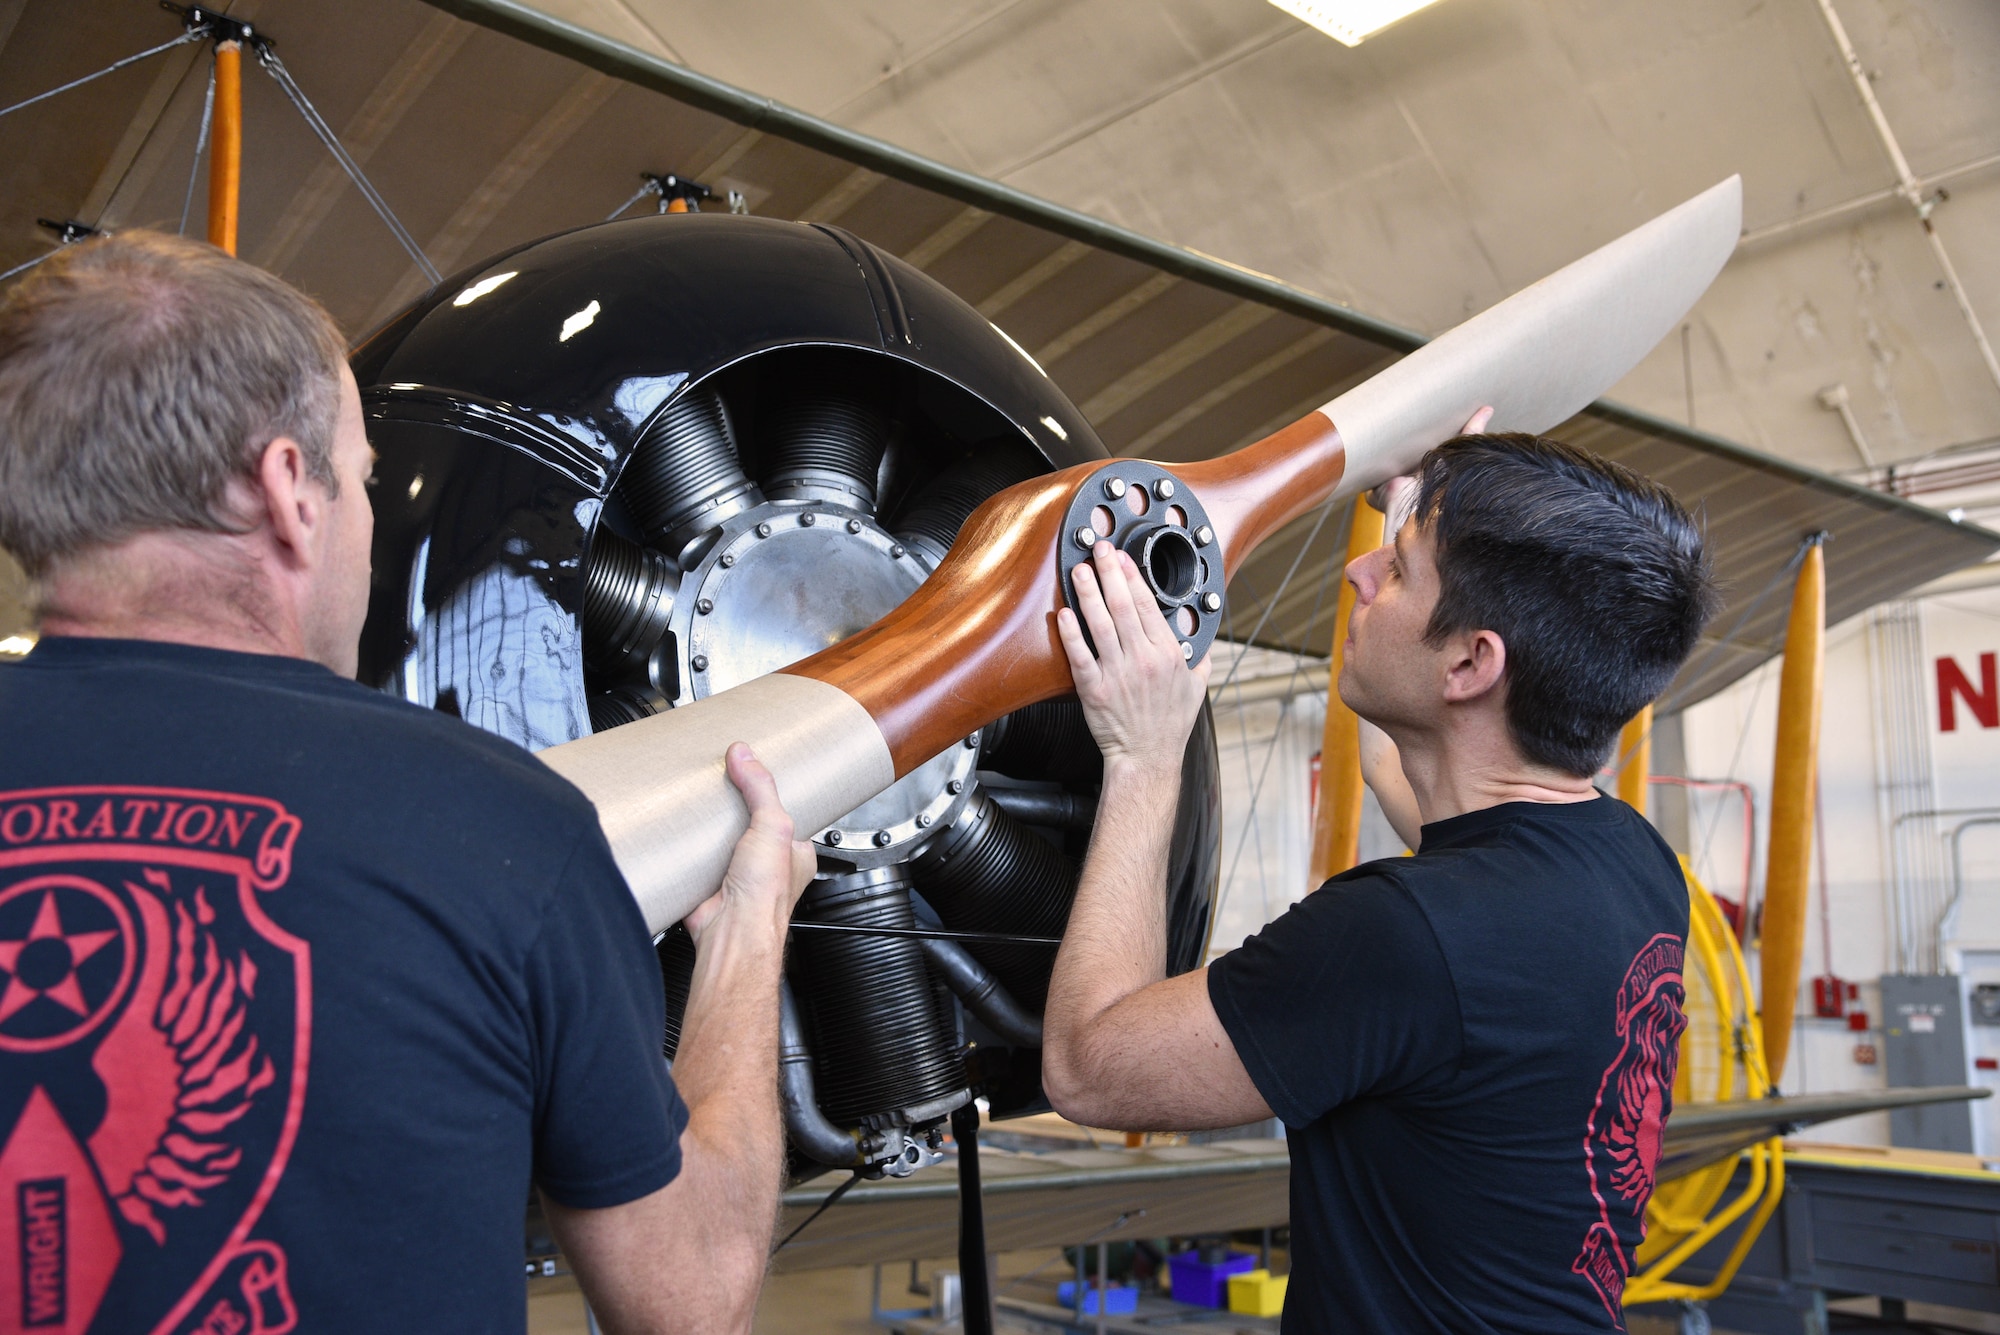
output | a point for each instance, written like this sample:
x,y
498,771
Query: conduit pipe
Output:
x,y
982,993
1337,826
812,1134
225,153
1912,191
1793,776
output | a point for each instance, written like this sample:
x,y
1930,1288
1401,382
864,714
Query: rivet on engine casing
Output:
x,y
854,526
763,530
972,742
955,787
1211,601
1187,652
883,838
699,663
1203,536
704,605
1114,487
808,519
1086,537
728,560
924,818
833,837
1164,488
896,550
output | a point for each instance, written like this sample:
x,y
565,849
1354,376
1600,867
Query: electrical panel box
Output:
x,y
1923,1043
1978,964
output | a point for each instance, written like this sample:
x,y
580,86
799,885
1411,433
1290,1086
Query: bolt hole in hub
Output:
x,y
1126,503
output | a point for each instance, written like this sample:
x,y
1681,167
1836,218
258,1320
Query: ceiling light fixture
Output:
x,y
1349,21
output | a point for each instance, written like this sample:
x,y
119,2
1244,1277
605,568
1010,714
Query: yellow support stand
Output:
x,y
1635,757
1337,828
1721,1059
1781,939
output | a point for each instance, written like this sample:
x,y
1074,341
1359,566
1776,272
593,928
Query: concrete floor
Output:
x,y
807,1302
836,1302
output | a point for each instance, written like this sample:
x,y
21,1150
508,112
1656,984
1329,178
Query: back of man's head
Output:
x,y
139,375
1595,578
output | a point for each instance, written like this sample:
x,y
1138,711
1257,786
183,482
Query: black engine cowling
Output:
x,y
625,467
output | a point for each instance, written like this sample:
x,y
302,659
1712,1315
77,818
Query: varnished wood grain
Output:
x,y
978,639
1260,488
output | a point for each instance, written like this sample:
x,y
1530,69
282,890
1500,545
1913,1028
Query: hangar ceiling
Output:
x,y
1419,177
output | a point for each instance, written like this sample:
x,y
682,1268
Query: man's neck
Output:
x,y
1451,773
154,587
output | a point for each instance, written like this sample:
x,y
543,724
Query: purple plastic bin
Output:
x,y
1205,1285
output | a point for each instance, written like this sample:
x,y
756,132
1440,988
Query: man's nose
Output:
x,y
1361,574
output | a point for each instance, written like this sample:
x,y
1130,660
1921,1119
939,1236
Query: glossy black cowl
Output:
x,y
506,403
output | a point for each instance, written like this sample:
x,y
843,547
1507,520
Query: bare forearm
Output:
x,y
1116,942
691,1257
726,1069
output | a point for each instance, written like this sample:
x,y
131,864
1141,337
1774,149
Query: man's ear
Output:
x,y
1479,661
294,506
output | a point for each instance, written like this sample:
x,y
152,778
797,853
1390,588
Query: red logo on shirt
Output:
x,y
154,1026
1622,1138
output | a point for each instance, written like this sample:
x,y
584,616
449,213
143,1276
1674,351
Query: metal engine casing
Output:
x,y
505,409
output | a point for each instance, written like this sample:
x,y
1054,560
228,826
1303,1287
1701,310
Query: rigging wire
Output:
x,y
23,268
194,35
1230,679
200,144
928,933
268,58
1271,751
651,187
824,1205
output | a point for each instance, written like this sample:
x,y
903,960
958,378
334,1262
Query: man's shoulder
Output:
x,y
346,731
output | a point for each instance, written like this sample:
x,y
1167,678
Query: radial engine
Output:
x,y
626,467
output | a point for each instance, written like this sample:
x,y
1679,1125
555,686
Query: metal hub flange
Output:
x,y
1145,511
782,582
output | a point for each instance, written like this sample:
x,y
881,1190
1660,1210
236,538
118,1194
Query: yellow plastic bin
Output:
x,y
1258,1293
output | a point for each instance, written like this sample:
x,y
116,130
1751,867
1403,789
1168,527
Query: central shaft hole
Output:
x,y
1167,558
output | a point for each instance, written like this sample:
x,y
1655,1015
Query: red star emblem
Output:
x,y
62,961
51,956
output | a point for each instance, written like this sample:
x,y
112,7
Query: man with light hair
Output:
x,y
302,988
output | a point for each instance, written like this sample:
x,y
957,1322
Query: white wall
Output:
x,y
1730,736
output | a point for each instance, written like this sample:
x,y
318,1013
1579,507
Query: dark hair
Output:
x,y
1595,578
139,374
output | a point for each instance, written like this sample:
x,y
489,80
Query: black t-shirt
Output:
x,y
299,984
1474,1052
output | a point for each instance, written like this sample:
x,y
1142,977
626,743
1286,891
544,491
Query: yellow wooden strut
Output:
x,y
1337,827
1782,936
1635,755
225,154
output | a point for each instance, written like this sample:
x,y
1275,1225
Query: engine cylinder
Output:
x,y
685,475
628,599
676,951
990,873
828,432
930,523
1046,740
884,1036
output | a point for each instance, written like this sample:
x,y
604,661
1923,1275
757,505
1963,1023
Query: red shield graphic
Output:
x,y
154,1029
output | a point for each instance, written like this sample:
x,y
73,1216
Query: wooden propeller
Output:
x,y
977,639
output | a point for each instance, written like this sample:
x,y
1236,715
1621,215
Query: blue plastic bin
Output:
x,y
1121,1299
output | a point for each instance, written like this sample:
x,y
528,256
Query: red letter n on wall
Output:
x,y
1953,685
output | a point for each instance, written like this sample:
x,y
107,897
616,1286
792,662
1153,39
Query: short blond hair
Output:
x,y
139,374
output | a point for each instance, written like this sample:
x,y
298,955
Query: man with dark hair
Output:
x,y
304,989
1473,1048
